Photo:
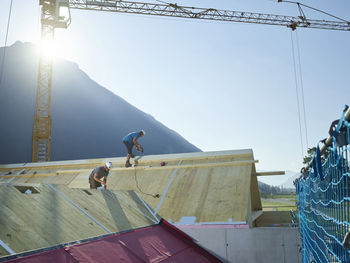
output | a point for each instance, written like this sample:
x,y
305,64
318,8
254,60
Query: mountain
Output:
x,y
277,184
285,181
291,177
88,121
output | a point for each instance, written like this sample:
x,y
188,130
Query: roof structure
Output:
x,y
157,243
204,187
35,216
50,205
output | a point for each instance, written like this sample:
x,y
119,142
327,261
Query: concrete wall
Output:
x,y
261,244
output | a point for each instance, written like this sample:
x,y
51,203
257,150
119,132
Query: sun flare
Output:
x,y
59,47
48,48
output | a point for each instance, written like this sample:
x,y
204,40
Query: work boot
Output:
x,y
127,164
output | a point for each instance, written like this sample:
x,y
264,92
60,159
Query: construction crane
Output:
x,y
56,14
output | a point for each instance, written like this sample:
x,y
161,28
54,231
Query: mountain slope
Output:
x,y
88,121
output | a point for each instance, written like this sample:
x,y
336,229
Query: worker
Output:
x,y
130,140
95,178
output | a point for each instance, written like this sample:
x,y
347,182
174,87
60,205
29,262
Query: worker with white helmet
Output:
x,y
130,140
95,178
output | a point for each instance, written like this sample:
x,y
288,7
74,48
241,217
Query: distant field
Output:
x,y
279,203
290,197
274,206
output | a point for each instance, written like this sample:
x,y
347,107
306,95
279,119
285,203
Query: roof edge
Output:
x,y
162,157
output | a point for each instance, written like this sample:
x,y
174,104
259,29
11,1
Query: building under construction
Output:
x,y
212,196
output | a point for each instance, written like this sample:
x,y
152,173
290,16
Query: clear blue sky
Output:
x,y
220,85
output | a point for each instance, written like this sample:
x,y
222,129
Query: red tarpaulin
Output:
x,y
157,243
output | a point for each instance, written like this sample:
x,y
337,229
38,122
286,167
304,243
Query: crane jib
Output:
x,y
174,10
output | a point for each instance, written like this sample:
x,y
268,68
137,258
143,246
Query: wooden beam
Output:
x,y
31,175
205,156
141,167
199,165
269,173
148,167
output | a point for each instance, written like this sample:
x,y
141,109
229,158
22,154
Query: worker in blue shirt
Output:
x,y
130,140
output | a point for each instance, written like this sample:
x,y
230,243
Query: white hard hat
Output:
x,y
109,165
143,131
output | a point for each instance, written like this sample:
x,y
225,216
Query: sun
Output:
x,y
54,48
48,48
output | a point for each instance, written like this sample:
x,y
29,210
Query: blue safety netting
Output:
x,y
323,197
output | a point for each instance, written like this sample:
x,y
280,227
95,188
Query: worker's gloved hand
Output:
x,y
141,149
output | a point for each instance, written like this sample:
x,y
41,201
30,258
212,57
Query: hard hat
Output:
x,y
143,131
109,165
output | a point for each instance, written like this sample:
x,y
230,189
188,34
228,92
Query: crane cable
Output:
x,y
163,2
315,9
302,90
297,93
4,50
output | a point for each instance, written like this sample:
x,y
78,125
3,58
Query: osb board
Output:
x,y
46,219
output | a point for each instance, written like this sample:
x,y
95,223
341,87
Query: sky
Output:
x,y
221,85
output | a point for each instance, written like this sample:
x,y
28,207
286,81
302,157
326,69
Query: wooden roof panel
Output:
x,y
47,218
210,186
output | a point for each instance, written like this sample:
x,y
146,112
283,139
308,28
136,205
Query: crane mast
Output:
x,y
51,19
42,119
41,137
